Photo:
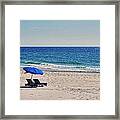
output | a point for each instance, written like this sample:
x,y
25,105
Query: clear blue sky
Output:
x,y
60,32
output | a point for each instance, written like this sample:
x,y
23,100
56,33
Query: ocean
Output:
x,y
62,58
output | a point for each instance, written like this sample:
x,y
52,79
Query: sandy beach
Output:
x,y
62,85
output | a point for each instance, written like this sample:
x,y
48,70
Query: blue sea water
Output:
x,y
62,57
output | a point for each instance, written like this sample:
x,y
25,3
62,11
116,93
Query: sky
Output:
x,y
60,32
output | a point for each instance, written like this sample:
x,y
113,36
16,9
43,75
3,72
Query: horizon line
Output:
x,y
59,45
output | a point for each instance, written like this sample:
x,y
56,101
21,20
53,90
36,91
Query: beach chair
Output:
x,y
37,82
30,83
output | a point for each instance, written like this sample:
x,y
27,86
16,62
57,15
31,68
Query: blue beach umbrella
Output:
x,y
33,70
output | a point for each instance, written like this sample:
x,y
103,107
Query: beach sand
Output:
x,y
67,85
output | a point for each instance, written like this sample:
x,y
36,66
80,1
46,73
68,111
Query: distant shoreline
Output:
x,y
61,70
